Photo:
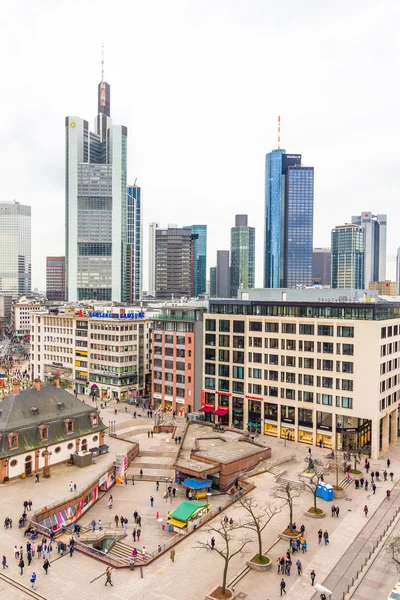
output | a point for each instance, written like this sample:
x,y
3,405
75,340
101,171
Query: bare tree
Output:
x,y
312,485
393,548
226,552
260,517
288,491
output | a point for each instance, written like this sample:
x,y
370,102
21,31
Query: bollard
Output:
x,y
141,572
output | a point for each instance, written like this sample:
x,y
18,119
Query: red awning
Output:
x,y
206,409
221,411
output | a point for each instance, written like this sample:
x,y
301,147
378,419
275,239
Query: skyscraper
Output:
x,y
55,278
374,227
347,257
223,283
242,255
199,258
289,208
15,248
174,262
134,246
321,266
213,282
95,201
151,290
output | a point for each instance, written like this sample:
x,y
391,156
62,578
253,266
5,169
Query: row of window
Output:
x,y
224,325
389,331
387,349
254,388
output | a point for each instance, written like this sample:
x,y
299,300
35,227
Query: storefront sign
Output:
x,y
255,398
325,427
202,397
224,393
288,421
179,400
57,364
98,315
103,479
158,396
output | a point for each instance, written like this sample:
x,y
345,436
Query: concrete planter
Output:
x,y
216,594
339,494
283,536
314,515
257,567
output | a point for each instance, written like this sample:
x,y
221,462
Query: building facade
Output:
x,y
243,251
174,263
384,288
44,419
105,354
177,357
289,210
151,289
319,372
199,259
374,228
95,201
55,278
321,266
15,248
347,257
223,275
213,282
134,246
21,316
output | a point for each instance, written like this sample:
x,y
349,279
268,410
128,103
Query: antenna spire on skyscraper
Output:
x,y
102,63
279,131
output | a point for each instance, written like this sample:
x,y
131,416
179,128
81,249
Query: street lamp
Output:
x,y
46,468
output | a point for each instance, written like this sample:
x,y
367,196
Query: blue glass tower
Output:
x,y
289,202
199,258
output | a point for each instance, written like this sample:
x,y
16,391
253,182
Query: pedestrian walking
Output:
x,y
157,485
93,524
326,537
134,534
298,544
333,510
30,504
373,488
138,532
37,478
366,486
388,463
21,565
116,519
49,550
385,475
337,511
172,554
151,501
319,536
33,580
212,543
46,565
304,546
298,565
108,576
71,487
313,576
133,480
282,586
100,525
141,473
366,510
4,562
388,494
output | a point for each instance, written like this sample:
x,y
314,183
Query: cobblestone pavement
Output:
x,y
195,571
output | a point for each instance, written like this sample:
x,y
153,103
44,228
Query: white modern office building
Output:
x,y
374,227
318,367
96,210
151,288
15,248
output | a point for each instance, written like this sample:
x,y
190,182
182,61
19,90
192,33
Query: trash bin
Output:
x,y
131,565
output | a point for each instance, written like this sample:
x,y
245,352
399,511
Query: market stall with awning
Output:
x,y
198,488
187,511
221,411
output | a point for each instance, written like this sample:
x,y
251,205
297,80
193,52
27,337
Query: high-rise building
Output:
x,y
223,283
151,289
15,248
134,246
289,208
374,227
242,255
213,282
385,288
321,266
199,258
174,262
95,200
55,278
347,257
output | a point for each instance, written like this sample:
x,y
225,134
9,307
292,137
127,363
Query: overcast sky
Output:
x,y
199,85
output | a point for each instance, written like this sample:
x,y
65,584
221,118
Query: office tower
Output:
x,y
223,283
374,227
321,266
55,278
242,255
134,246
199,258
213,282
151,288
95,200
347,257
289,207
174,263
15,248
398,270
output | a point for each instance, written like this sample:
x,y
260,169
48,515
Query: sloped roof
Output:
x,y
187,509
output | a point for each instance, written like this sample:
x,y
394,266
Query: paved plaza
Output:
x,y
195,571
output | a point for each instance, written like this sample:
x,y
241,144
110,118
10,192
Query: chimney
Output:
x,y
37,383
16,388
